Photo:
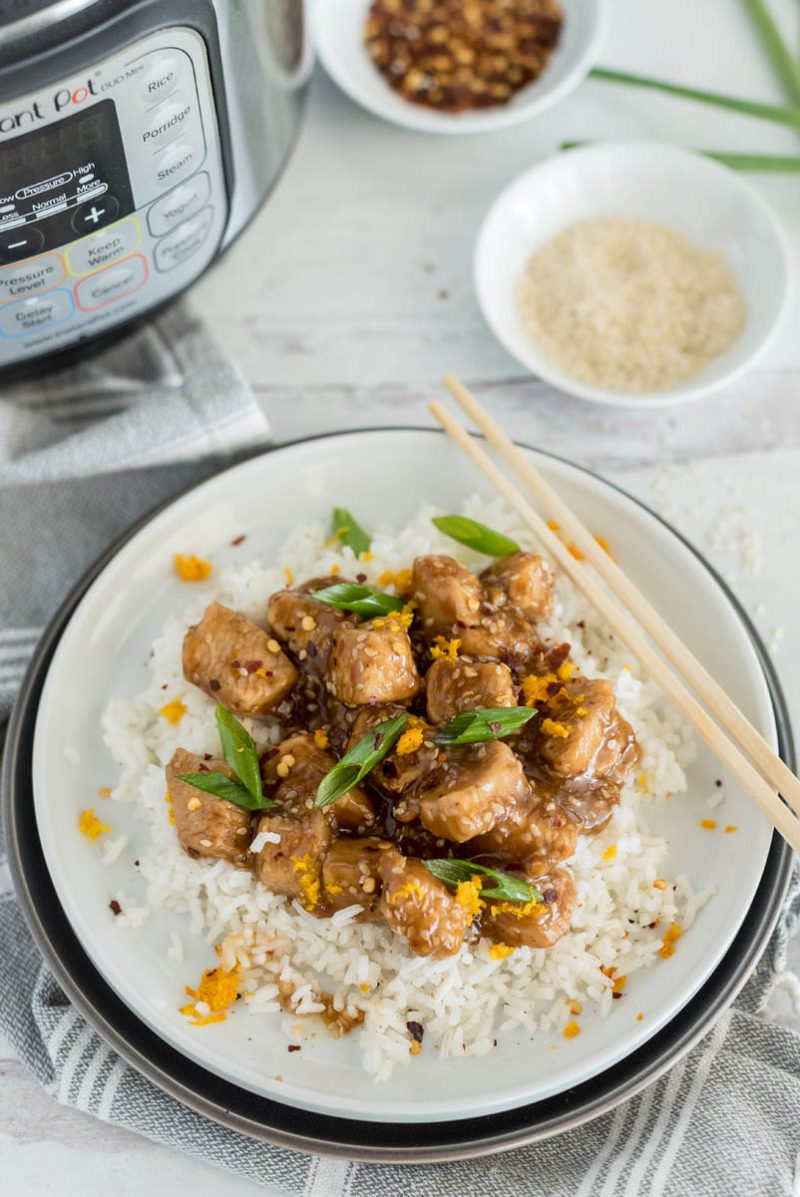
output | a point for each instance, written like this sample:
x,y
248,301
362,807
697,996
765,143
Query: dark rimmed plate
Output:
x,y
258,1116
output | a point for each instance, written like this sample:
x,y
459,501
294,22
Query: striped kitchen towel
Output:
x,y
73,445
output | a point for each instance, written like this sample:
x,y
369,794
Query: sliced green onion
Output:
x,y
360,759
475,536
347,530
776,163
506,888
486,723
363,600
224,787
239,751
781,114
788,70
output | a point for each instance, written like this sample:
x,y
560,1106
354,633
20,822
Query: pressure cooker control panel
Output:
x,y
112,194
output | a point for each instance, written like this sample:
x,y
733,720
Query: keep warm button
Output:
x,y
115,282
104,247
184,241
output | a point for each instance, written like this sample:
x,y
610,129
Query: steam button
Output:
x,y
176,163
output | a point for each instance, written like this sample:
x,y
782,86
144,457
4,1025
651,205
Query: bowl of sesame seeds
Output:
x,y
458,66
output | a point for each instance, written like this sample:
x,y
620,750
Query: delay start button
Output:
x,y
183,241
102,248
30,316
111,284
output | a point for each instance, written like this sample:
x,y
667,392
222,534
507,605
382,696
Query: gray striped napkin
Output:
x,y
73,445
724,1121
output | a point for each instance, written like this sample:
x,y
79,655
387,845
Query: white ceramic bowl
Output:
x,y
707,202
338,32
103,654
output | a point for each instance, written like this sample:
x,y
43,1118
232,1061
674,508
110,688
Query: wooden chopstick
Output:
x,y
673,648
620,621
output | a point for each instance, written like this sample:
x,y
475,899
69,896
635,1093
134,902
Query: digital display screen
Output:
x,y
47,174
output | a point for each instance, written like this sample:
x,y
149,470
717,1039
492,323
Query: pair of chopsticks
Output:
x,y
743,749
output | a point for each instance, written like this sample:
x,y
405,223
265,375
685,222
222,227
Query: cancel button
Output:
x,y
116,282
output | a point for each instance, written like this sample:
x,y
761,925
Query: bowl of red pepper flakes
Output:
x,y
458,66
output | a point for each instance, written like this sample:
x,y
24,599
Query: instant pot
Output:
x,y
137,139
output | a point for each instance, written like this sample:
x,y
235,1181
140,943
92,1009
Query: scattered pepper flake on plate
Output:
x,y
191,568
610,852
574,1006
104,792
659,883
571,1030
708,824
288,575
174,711
731,827
90,826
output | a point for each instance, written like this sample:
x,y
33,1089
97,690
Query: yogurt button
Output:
x,y
162,78
179,204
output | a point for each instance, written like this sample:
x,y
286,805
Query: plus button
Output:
x,y
93,215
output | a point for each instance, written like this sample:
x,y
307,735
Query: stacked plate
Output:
x,y
239,1072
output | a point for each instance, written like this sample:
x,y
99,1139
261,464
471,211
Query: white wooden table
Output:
x,y
351,295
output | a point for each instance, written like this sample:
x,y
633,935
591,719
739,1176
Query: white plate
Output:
x,y
709,203
103,654
338,27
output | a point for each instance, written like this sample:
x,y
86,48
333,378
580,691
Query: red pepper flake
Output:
x,y
293,1047
416,1030
114,905
238,540
252,666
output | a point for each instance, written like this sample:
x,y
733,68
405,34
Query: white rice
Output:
x,y
365,970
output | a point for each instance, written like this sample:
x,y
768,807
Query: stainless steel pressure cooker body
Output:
x,y
137,139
